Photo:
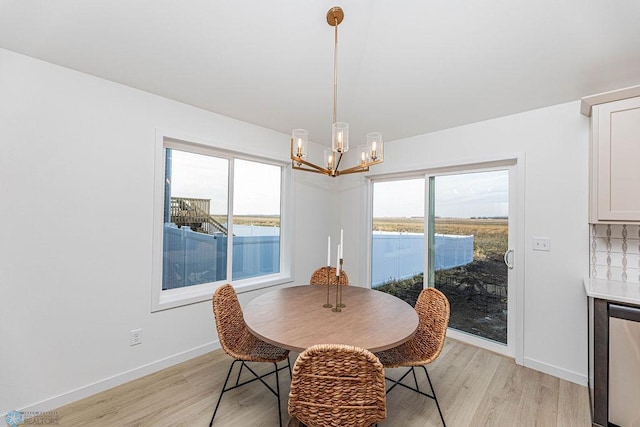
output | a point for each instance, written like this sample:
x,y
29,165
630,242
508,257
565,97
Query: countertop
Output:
x,y
613,290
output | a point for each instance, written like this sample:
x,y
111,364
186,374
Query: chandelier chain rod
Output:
x,y
335,72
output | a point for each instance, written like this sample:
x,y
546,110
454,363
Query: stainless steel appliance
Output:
x,y
624,365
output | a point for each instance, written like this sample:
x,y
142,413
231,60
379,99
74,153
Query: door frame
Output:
x,y
507,349
516,165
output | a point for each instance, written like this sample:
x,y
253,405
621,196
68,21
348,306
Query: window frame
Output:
x,y
172,298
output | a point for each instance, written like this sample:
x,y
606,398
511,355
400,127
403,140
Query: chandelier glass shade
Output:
x,y
369,154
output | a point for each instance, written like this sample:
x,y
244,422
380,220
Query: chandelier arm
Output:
x,y
375,162
313,168
354,169
338,162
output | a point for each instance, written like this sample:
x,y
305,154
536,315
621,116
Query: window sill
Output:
x,y
180,297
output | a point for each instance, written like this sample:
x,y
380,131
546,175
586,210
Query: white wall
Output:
x,y
75,277
554,142
76,200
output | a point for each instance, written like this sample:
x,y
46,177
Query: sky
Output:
x,y
456,196
206,177
478,194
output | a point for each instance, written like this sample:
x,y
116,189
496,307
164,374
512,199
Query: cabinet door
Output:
x,y
616,138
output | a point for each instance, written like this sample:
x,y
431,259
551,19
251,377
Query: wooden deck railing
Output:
x,y
195,214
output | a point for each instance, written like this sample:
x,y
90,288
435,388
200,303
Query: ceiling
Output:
x,y
405,67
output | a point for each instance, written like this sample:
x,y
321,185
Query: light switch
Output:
x,y
541,244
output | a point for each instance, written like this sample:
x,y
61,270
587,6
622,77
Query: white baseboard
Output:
x,y
564,374
124,377
480,342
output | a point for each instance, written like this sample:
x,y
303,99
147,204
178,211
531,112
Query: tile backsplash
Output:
x,y
614,251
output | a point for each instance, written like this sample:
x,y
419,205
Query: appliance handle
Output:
x,y
508,260
624,312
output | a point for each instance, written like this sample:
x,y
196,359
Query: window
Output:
x,y
195,228
221,221
256,219
397,241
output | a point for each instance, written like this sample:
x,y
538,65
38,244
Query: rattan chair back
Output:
x,y
337,385
424,347
319,277
235,338
433,311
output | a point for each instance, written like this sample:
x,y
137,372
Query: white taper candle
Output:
x,y
328,250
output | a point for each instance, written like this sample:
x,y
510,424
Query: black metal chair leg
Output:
x,y
398,382
433,390
415,379
257,377
222,392
240,372
278,392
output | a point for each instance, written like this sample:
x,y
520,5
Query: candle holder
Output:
x,y
338,308
339,290
328,304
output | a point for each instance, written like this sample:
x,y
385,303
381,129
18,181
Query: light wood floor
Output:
x,y
474,387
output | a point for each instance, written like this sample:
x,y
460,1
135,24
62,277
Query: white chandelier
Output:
x,y
370,153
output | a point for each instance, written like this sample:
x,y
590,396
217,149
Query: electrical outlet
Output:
x,y
541,244
136,337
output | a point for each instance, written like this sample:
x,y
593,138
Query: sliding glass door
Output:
x,y
466,217
469,250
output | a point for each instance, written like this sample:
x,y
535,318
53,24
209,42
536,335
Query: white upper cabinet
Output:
x,y
615,161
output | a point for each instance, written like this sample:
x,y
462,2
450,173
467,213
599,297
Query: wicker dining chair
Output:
x,y
319,277
337,385
425,346
238,342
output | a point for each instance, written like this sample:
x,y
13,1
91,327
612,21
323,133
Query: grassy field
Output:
x,y
260,220
404,225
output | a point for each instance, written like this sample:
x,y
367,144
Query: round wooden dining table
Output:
x,y
294,318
